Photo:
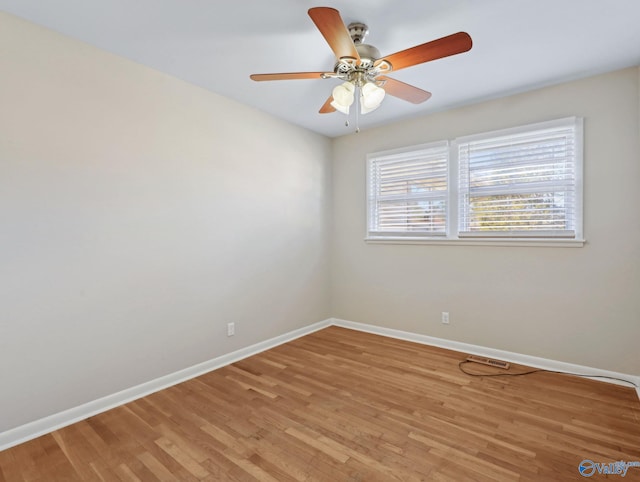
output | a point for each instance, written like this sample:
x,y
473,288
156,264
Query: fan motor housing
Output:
x,y
367,52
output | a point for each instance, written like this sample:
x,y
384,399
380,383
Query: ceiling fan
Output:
x,y
361,67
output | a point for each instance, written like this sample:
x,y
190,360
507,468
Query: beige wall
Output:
x,y
138,215
578,305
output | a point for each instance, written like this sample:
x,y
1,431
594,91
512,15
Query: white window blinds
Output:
x,y
522,183
407,192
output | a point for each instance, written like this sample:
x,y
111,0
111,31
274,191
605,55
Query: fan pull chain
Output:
x,y
358,92
357,114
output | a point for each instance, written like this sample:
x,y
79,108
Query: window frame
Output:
x,y
399,155
452,236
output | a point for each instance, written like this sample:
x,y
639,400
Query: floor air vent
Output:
x,y
488,361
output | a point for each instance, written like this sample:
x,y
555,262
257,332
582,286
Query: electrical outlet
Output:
x,y
231,329
445,317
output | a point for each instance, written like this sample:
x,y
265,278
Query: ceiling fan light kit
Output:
x,y
371,97
361,67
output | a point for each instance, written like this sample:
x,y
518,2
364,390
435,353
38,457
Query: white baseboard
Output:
x,y
56,421
532,361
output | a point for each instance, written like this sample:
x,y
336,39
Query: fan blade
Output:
x,y
404,91
327,108
290,76
334,31
436,49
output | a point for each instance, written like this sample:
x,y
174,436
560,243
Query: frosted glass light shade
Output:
x,y
343,97
371,97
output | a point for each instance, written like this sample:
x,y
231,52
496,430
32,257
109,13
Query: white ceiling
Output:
x,y
518,45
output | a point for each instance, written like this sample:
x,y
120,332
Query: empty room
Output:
x,y
345,241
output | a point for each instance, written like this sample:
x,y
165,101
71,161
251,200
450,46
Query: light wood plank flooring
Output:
x,y
340,405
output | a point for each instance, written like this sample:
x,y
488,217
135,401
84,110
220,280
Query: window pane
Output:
x,y
412,216
519,212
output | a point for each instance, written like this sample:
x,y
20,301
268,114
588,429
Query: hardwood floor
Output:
x,y
340,405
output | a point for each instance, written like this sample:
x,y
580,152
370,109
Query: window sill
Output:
x,y
528,242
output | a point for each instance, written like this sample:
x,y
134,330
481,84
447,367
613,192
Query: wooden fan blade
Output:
x,y
327,108
404,91
289,76
436,49
334,31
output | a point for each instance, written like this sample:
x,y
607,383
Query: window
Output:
x,y
509,186
519,183
408,192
